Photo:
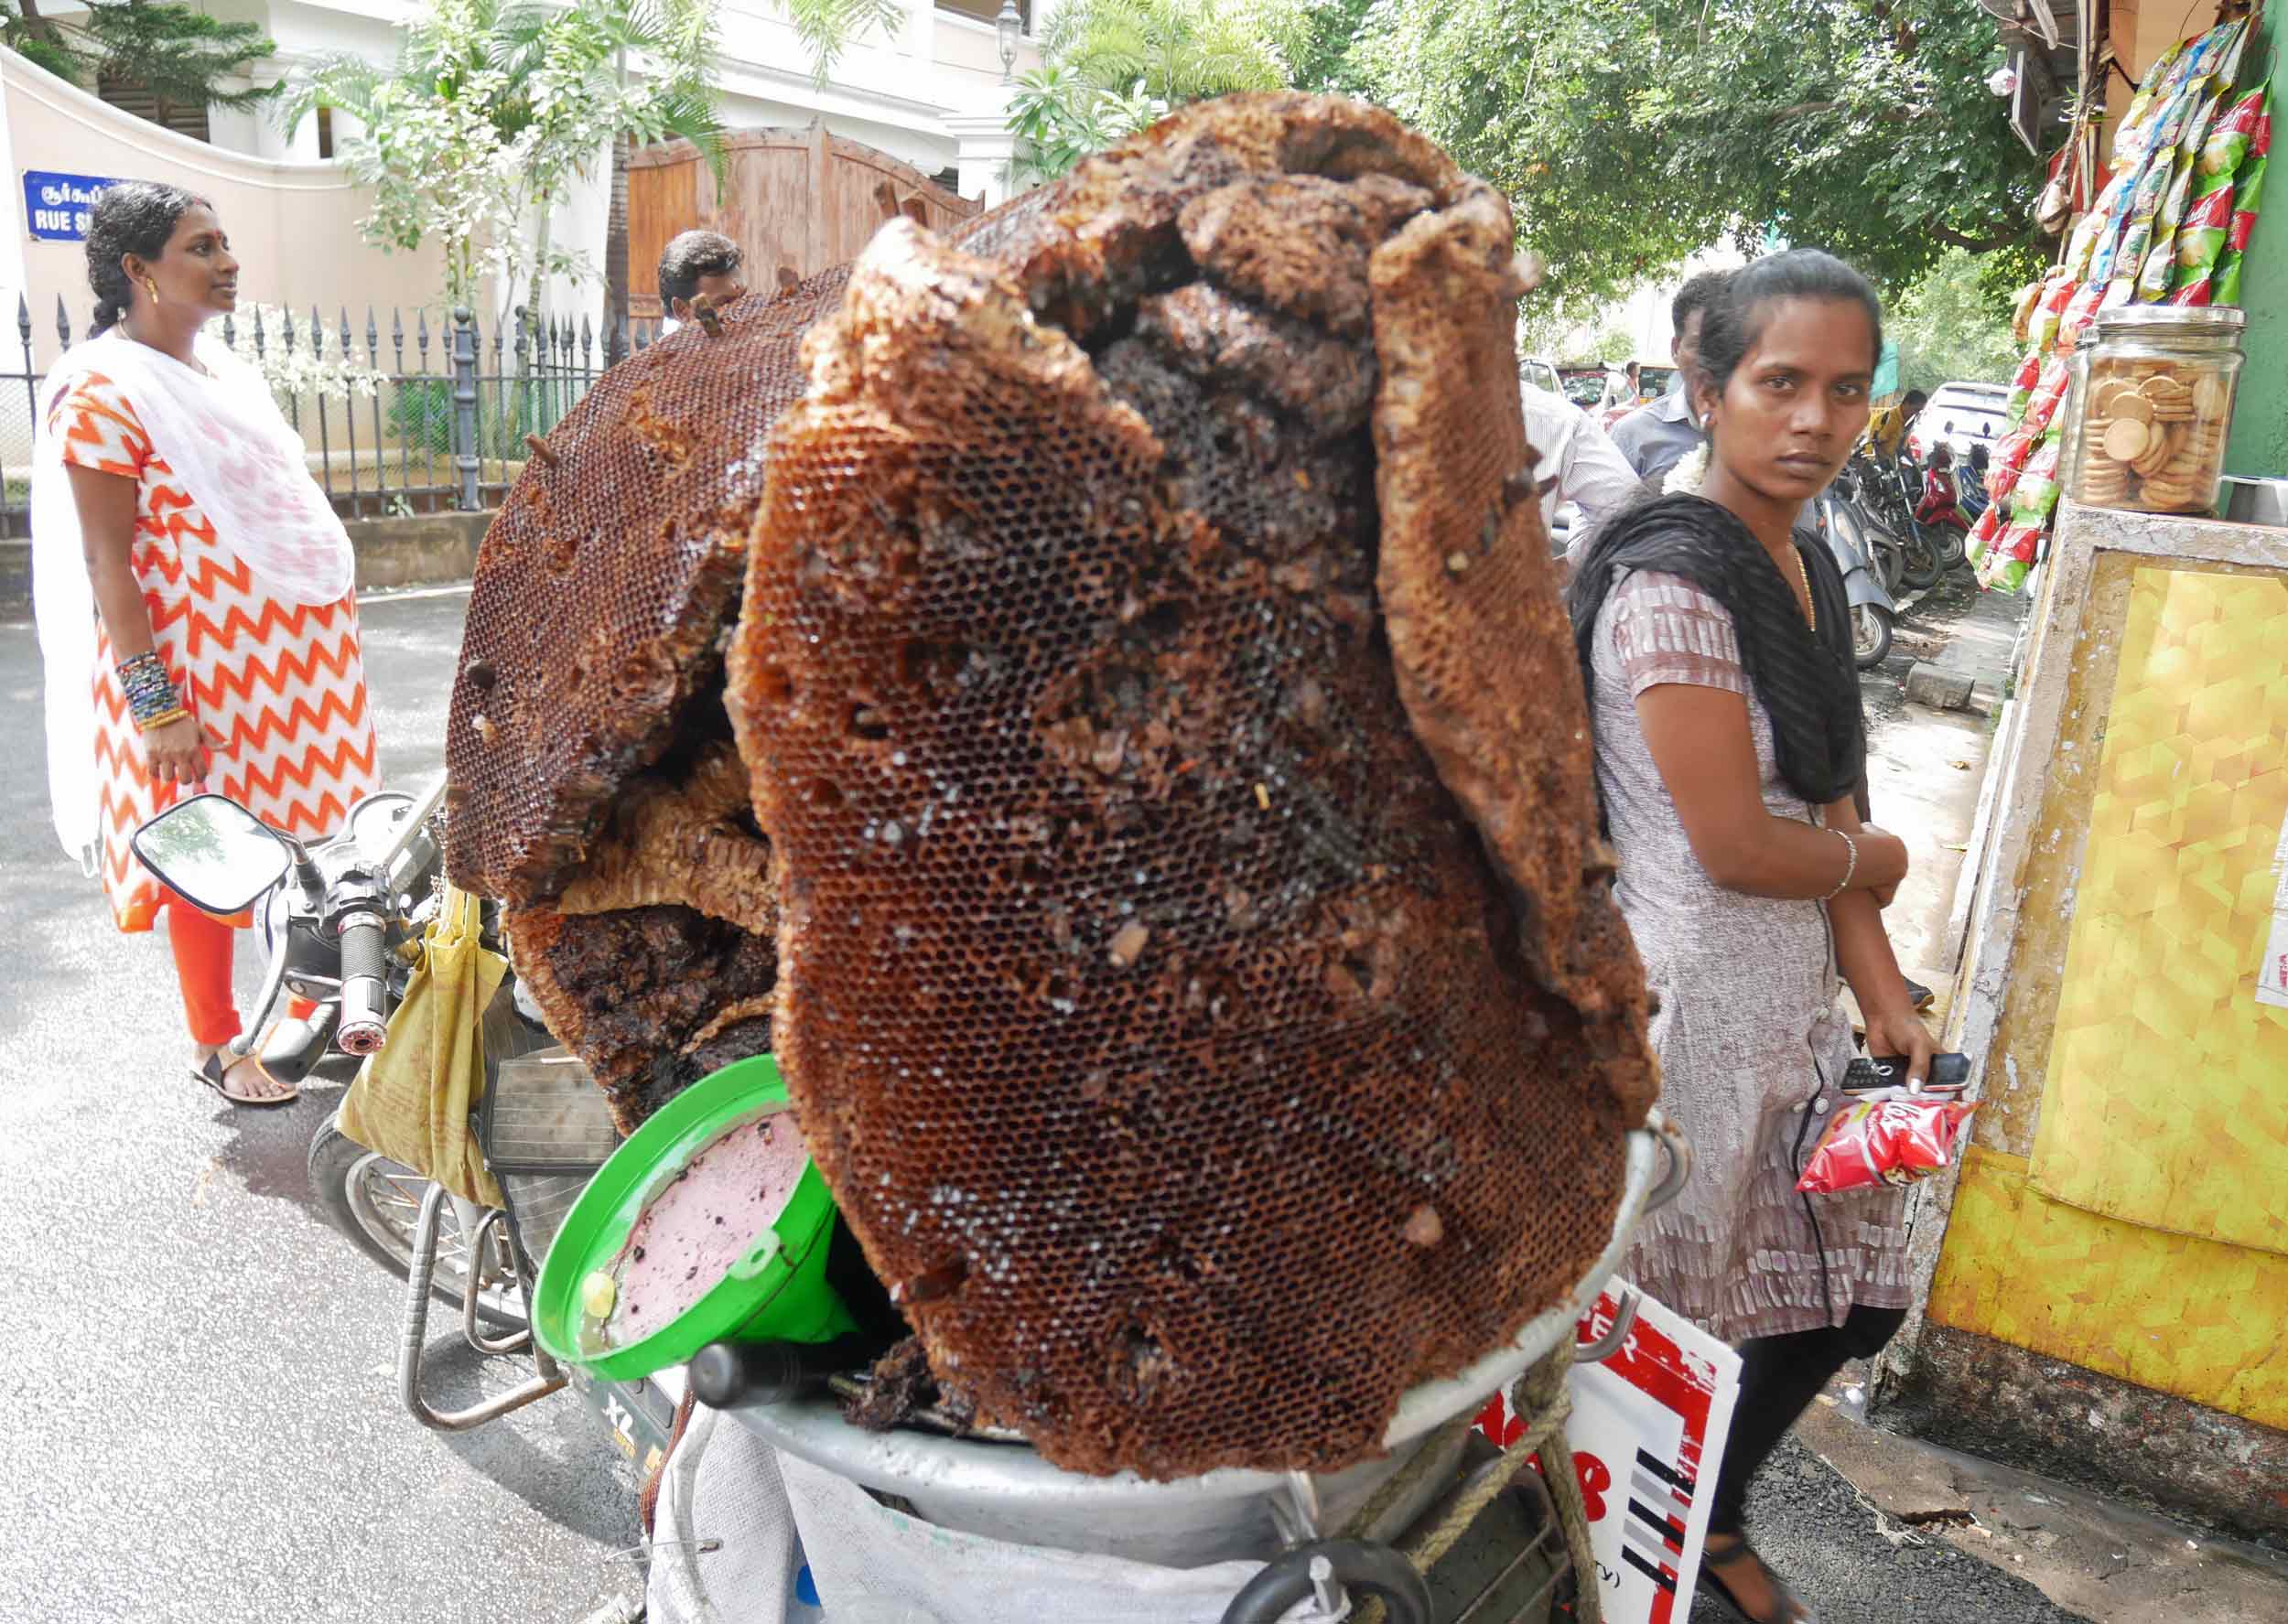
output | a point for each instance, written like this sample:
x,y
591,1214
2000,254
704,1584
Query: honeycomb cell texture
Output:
x,y
593,783
1196,973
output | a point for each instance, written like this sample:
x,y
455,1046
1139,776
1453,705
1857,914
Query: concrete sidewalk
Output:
x,y
2095,1558
1925,768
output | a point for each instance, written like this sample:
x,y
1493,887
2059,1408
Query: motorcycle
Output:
x,y
1938,511
1887,490
340,921
1874,613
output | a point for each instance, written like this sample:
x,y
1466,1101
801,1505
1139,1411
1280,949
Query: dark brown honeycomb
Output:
x,y
593,782
1196,979
603,587
652,999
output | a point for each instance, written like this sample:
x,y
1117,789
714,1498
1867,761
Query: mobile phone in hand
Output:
x,y
1949,1074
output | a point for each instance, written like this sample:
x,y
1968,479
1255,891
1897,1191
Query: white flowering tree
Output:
x,y
494,108
304,369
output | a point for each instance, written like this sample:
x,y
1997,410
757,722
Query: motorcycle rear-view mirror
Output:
x,y
213,853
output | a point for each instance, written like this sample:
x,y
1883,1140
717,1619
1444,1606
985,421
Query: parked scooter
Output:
x,y
336,923
1937,511
1973,497
1874,613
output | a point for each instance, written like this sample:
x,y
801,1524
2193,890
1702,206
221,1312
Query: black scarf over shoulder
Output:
x,y
1807,681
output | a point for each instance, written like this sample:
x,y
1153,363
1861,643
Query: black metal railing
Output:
x,y
427,418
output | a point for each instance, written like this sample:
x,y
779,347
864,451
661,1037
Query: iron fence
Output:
x,y
429,417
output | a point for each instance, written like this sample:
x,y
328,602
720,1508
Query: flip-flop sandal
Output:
x,y
1792,1608
215,1072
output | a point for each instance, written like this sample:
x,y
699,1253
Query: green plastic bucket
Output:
x,y
776,1292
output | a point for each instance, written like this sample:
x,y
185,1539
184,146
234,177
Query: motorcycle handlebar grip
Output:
x,y
364,1027
741,1375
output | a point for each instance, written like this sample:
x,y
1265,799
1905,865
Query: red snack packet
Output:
x,y
2079,311
2046,396
1896,1139
2043,329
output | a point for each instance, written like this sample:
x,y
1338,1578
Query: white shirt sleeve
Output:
x,y
1589,468
1595,475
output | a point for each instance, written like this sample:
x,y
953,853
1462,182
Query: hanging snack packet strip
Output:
x,y
2159,270
2034,494
2247,195
1984,534
2085,304
2022,384
2048,393
2099,225
2239,139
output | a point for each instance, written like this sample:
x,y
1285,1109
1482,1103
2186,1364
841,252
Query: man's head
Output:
x,y
1916,401
1686,313
699,263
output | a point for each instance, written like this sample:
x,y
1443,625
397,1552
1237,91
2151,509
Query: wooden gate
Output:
x,y
796,200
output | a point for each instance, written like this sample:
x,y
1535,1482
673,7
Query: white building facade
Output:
x,y
931,93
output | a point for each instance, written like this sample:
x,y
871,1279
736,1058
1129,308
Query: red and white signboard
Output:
x,y
1647,1433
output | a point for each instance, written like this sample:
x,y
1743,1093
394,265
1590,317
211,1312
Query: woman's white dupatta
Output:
x,y
232,449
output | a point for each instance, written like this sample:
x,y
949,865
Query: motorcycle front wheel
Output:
x,y
1948,543
1871,635
374,1200
1890,564
1923,563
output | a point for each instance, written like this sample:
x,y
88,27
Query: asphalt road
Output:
x,y
1854,1566
201,1419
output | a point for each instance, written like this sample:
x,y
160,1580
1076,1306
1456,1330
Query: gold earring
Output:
x,y
151,286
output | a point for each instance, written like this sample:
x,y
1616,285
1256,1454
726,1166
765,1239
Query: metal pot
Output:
x,y
1003,1492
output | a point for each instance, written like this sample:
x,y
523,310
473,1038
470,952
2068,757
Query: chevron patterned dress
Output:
x,y
278,688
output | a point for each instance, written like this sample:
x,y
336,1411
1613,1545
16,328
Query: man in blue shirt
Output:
x,y
1656,438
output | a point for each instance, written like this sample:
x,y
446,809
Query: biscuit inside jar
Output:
x,y
2126,439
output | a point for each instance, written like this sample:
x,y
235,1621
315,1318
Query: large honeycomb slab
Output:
x,y
1204,1006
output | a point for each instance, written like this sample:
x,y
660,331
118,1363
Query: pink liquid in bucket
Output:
x,y
707,1218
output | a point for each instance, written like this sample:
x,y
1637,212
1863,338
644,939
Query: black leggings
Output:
x,y
1779,1377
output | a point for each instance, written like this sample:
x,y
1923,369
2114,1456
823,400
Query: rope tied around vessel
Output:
x,y
1542,1400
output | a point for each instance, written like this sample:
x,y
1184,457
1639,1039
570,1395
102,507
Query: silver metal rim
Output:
x,y
906,1462
385,1197
1866,628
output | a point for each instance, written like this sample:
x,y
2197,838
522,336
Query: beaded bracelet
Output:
x,y
149,723
150,692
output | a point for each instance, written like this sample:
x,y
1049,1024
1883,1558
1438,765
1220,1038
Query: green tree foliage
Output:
x,y
1630,135
178,53
1950,326
495,107
1111,67
829,27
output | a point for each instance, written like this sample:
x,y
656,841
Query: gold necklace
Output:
x,y
1810,608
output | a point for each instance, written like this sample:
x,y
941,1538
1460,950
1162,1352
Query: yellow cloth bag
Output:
x,y
411,1102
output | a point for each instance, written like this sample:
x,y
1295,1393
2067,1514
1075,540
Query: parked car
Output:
x,y
1584,386
1963,415
1541,374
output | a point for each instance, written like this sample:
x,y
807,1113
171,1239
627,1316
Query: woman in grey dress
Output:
x,y
1730,745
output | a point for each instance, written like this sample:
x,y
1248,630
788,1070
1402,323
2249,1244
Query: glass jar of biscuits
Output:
x,y
2153,386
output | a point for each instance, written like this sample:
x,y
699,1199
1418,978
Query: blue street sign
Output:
x,y
56,206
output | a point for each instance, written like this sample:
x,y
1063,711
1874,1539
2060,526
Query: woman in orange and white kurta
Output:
x,y
193,590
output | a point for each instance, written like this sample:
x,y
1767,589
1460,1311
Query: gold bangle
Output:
x,y
164,719
1850,868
